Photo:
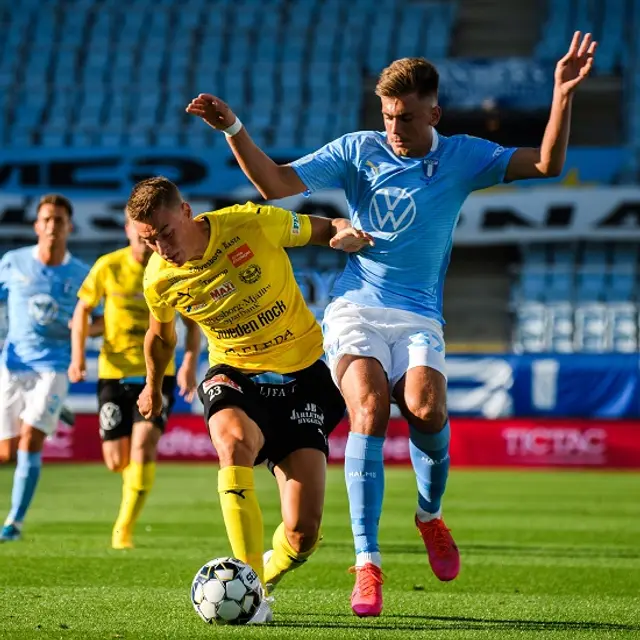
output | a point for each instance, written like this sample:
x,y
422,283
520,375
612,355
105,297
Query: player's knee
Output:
x,y
115,465
234,448
428,418
7,456
303,534
370,416
32,440
236,439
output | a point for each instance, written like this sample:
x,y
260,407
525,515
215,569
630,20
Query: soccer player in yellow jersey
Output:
x,y
129,441
268,395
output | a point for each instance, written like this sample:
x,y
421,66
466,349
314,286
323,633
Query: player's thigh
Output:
x,y
116,453
115,418
11,407
144,441
365,388
41,413
301,480
419,377
146,434
235,416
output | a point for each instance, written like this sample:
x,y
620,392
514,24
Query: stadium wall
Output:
x,y
514,442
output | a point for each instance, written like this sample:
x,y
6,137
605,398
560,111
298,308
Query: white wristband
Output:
x,y
233,129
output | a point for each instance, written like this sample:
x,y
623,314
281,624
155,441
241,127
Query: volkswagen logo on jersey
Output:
x,y
392,210
110,416
43,308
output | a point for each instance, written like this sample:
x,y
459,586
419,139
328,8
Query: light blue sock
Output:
x,y
364,474
430,460
25,481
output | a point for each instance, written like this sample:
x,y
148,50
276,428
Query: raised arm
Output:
x,y
270,179
548,160
159,346
187,374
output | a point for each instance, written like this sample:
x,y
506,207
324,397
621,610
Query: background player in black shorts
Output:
x,y
129,441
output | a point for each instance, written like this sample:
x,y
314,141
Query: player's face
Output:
x,y
408,121
167,233
52,225
141,251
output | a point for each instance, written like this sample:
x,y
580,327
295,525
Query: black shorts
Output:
x,y
118,406
294,411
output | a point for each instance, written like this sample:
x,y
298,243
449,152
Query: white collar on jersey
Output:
x,y
435,141
65,260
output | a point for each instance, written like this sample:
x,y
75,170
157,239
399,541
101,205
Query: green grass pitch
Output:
x,y
544,555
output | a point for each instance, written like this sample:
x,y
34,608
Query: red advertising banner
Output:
x,y
474,442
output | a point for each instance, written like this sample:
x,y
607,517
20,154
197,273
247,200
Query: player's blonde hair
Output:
x,y
150,195
408,75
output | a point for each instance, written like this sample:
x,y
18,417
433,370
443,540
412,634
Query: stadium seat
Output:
x,y
623,324
590,283
560,324
560,285
591,328
531,335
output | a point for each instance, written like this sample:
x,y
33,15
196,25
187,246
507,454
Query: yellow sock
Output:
x,y
137,481
284,557
242,515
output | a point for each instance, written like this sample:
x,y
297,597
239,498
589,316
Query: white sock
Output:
x,y
425,516
373,557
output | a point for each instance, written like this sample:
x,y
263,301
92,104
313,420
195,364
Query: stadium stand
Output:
x,y
261,55
568,300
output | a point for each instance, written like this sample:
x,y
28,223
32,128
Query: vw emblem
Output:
x,y
392,210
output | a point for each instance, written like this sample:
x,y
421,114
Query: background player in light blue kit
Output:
x,y
40,284
383,330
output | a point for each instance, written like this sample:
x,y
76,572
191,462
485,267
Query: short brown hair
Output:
x,y
150,195
408,75
56,200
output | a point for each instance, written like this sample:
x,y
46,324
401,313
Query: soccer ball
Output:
x,y
226,591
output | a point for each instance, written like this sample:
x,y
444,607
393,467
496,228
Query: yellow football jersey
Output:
x,y
242,292
117,278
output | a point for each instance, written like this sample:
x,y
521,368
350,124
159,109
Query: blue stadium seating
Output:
x,y
182,47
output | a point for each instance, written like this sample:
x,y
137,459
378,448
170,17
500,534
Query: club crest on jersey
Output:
x,y
392,210
251,274
43,308
240,255
222,291
429,168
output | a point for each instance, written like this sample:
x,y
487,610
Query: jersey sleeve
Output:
x,y
325,168
91,290
285,228
486,162
161,311
158,308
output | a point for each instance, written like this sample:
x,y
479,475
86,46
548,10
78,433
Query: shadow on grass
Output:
x,y
443,623
481,549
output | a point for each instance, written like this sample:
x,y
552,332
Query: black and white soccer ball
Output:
x,y
226,591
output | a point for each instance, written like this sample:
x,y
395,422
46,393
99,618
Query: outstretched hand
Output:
x,y
576,64
212,110
351,240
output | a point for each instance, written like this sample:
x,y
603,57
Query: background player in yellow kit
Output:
x,y
268,395
129,441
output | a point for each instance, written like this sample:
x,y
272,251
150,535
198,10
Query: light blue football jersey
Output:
x,y
40,304
409,205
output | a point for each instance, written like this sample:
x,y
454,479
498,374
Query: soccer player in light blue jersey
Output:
x,y
383,329
40,284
